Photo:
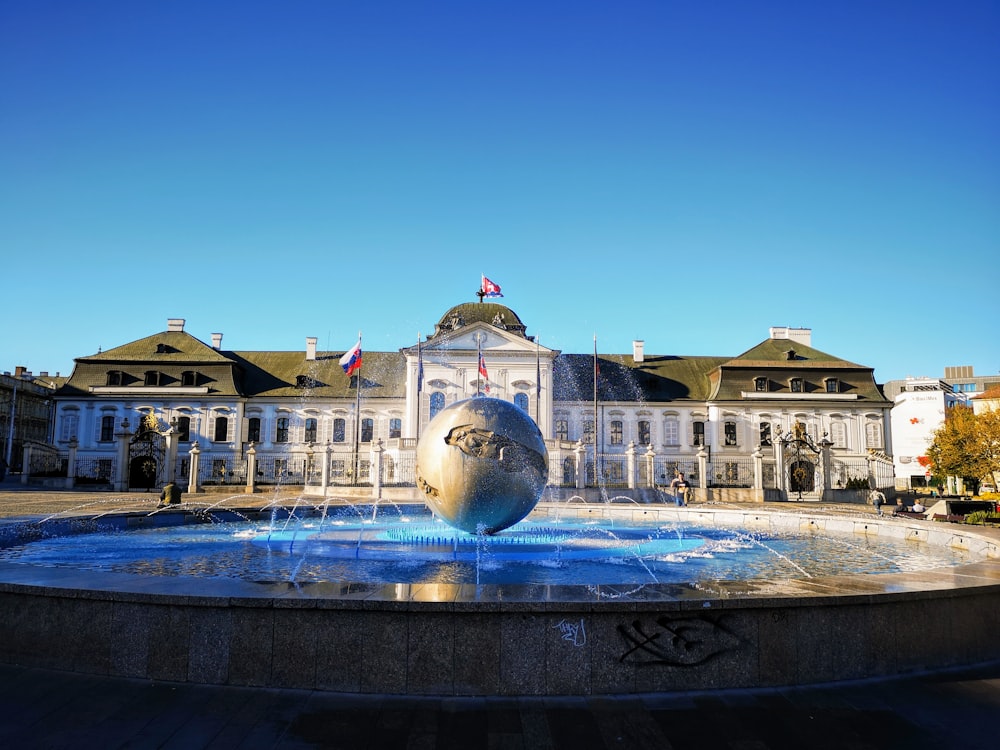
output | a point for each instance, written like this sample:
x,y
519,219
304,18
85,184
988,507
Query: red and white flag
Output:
x,y
482,372
490,289
351,360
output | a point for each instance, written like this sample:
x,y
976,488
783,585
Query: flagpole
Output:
x,y
597,472
479,360
420,378
357,418
538,384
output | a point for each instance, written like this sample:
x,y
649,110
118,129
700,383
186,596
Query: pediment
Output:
x,y
477,336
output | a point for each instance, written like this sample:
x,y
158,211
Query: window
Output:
x,y
183,429
189,378
521,401
644,432
367,429
339,430
281,430
562,429
107,429
760,384
672,432
588,432
395,427
832,385
838,434
729,430
152,377
698,434
221,429
115,377
873,435
437,403
253,429
617,433
310,435
70,423
795,384
765,434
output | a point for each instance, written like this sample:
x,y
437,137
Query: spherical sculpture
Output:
x,y
482,465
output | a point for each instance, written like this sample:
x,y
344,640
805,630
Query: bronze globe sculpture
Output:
x,y
482,465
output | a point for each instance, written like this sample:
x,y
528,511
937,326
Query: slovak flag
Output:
x,y
351,360
490,289
482,372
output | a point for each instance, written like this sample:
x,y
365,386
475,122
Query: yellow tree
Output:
x,y
967,445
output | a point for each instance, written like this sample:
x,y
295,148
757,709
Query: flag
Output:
x,y
482,371
351,360
490,289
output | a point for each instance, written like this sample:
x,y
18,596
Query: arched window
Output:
x,y
339,430
310,435
521,401
437,403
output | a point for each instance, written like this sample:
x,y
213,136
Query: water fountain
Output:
x,y
365,599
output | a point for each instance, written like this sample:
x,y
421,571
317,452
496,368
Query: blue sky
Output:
x,y
686,173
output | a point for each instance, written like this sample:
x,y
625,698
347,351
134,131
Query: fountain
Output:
x,y
493,592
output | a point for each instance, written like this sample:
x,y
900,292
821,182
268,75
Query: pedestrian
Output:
x,y
171,495
679,487
878,500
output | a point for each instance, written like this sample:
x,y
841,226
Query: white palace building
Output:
x,y
782,420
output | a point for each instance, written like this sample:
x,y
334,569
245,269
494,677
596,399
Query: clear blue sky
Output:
x,y
687,173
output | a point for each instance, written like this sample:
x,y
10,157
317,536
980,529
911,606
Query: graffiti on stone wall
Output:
x,y
675,642
574,632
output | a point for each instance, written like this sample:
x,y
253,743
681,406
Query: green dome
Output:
x,y
491,313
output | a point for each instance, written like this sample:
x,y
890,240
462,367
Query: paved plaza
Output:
x,y
48,709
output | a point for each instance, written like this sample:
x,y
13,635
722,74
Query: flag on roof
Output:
x,y
482,371
490,289
351,360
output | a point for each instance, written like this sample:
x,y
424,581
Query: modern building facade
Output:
x,y
781,417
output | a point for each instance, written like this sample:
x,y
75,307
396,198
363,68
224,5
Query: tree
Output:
x,y
967,445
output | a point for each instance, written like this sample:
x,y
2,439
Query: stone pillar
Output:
x,y
378,450
25,463
824,459
71,462
631,464
325,480
170,438
121,476
703,472
251,470
195,455
650,466
580,454
758,469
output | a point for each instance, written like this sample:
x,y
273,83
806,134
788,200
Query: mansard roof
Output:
x,y
291,375
657,378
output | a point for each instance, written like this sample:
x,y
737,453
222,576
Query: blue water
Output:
x,y
416,548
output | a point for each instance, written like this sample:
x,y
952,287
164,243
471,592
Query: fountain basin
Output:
x,y
518,639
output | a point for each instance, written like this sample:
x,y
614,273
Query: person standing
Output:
x,y
878,500
679,487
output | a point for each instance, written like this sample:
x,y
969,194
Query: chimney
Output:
x,y
19,371
175,324
216,340
310,348
800,335
637,347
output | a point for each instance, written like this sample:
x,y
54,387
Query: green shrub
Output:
x,y
983,517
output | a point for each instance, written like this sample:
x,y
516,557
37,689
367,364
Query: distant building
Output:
x,y
26,413
919,408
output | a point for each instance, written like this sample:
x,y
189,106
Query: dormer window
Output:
x,y
115,377
832,385
153,377
305,381
189,378
161,348
760,385
795,385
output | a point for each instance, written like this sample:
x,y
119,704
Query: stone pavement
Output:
x,y
42,709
